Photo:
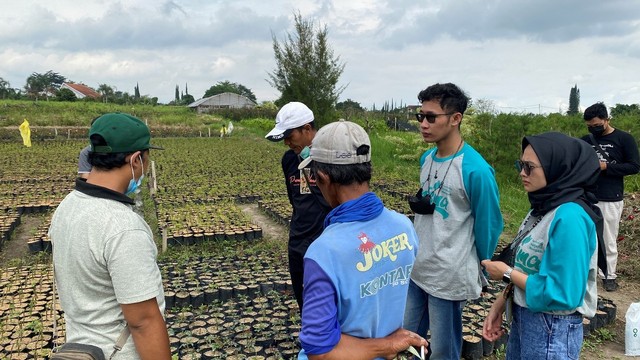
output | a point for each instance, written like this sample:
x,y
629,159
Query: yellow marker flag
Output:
x,y
25,131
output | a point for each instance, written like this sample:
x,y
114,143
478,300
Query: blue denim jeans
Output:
x,y
544,336
443,317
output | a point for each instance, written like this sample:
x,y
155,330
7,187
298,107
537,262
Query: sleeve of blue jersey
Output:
x,y
561,282
320,331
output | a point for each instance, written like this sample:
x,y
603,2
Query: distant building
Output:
x,y
412,109
80,90
222,101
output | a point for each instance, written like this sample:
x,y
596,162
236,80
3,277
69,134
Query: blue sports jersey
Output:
x,y
356,280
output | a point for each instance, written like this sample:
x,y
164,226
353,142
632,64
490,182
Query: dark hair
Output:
x,y
596,110
450,97
106,161
312,124
344,174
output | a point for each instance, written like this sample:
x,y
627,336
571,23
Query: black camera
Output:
x,y
421,204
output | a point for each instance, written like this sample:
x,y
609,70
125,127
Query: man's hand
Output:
x,y
401,339
603,165
388,347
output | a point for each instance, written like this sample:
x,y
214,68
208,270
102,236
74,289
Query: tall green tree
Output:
x,y
105,91
43,84
66,95
187,99
574,101
5,88
622,109
349,104
176,99
228,86
307,70
136,93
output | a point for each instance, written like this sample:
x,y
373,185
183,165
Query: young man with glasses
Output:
x,y
295,126
458,231
618,154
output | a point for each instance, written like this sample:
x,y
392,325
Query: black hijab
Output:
x,y
571,168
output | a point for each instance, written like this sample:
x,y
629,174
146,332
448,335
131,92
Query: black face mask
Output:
x,y
421,204
597,131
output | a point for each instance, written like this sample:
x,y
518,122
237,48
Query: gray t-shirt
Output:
x,y
104,256
84,167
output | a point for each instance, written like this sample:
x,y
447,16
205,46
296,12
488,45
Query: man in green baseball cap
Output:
x,y
104,253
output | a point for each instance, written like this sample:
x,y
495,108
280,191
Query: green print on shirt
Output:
x,y
439,198
529,262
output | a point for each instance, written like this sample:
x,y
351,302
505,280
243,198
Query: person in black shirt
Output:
x,y
618,154
295,125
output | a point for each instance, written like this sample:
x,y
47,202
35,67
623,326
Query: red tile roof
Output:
x,y
84,89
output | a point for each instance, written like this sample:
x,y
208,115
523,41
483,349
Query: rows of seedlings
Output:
x,y
194,223
27,312
262,327
37,182
203,204
200,280
9,220
239,322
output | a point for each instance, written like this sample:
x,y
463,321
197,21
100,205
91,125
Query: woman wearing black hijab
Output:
x,y
553,279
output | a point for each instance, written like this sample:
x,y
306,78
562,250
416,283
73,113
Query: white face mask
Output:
x,y
134,186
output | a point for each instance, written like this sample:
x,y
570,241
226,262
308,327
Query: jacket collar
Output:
x,y
101,192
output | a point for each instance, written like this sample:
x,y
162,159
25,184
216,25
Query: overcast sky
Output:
x,y
525,55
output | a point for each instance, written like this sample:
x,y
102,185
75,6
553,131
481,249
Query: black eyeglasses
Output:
x,y
431,118
526,166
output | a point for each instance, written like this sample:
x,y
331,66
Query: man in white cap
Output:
x,y
295,125
357,272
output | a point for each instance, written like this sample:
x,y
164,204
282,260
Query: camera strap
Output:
x,y
525,231
428,180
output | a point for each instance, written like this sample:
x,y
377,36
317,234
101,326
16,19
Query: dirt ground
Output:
x,y
269,227
16,248
627,293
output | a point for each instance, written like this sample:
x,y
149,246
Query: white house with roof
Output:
x,y
222,101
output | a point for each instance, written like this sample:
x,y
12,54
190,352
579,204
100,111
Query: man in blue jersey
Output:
x,y
457,220
618,154
356,274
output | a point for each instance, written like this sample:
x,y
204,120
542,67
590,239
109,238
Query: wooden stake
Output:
x,y
164,240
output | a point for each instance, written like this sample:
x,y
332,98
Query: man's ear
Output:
x,y
456,119
134,157
322,177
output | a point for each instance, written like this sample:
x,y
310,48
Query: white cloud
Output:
x,y
523,54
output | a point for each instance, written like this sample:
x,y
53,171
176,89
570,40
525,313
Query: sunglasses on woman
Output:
x,y
527,166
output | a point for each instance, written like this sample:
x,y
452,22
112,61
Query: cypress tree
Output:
x,y
574,101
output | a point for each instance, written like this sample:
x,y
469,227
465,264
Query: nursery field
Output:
x,y
219,206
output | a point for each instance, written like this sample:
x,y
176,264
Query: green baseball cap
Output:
x,y
122,133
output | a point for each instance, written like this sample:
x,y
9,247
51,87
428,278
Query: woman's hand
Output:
x,y
492,328
495,268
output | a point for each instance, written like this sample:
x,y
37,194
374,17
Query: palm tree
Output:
x,y
106,91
